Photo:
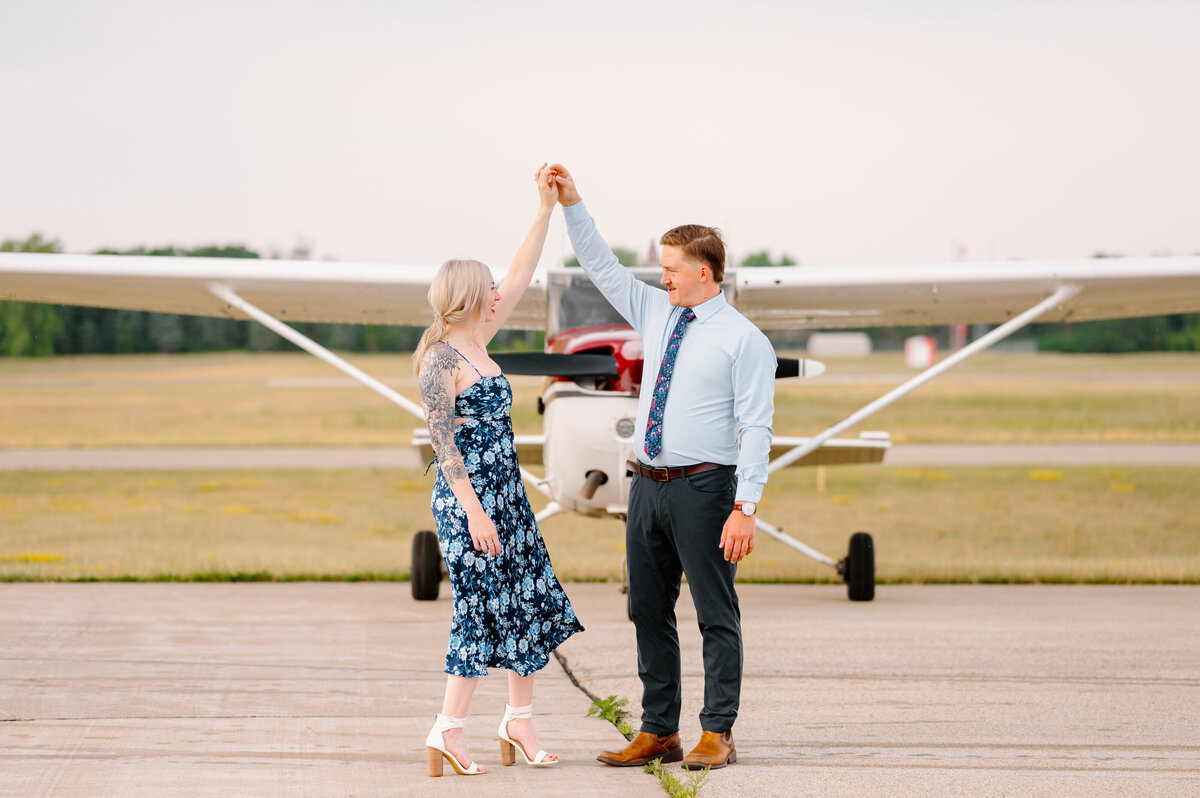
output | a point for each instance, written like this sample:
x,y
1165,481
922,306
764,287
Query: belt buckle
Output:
x,y
656,470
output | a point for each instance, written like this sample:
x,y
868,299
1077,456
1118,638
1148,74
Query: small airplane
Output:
x,y
594,361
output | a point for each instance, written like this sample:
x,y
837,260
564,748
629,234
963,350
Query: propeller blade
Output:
x,y
557,365
591,365
804,367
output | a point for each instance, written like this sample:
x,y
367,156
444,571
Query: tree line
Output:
x,y
37,330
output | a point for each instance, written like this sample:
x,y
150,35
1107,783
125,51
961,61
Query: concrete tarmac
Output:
x,y
329,688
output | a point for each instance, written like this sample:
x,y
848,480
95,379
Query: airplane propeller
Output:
x,y
592,365
556,365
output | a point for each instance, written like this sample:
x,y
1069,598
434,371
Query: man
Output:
x,y
703,444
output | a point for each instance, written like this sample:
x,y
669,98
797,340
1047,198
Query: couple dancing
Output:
x,y
703,441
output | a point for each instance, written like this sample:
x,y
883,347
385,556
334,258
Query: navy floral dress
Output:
x,y
509,610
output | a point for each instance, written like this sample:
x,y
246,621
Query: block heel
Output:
x,y
509,746
508,753
435,761
435,748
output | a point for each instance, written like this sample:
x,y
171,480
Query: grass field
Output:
x,y
930,525
964,524
293,399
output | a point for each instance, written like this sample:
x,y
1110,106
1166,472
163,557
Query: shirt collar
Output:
x,y
709,307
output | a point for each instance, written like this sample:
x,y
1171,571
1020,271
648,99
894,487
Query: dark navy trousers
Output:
x,y
673,529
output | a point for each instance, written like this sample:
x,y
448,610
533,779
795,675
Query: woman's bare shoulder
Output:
x,y
439,360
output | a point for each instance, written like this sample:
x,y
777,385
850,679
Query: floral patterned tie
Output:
x,y
663,384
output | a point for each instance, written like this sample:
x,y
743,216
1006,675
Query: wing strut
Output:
x,y
1061,295
226,294
1006,329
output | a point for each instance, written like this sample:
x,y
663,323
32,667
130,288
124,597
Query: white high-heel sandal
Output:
x,y
435,748
507,744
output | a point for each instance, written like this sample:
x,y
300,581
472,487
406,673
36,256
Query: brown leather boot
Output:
x,y
714,751
644,748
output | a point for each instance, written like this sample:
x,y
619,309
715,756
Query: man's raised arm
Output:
x,y
628,295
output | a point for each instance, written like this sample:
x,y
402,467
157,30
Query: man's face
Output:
x,y
682,277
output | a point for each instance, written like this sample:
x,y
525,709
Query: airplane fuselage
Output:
x,y
590,423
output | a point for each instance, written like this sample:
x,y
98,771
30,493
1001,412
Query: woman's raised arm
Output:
x,y
516,280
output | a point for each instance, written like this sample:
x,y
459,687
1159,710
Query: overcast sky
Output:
x,y
379,130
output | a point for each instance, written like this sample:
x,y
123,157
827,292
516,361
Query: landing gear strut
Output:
x,y
857,569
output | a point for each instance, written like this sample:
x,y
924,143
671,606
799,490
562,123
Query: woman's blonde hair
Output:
x,y
458,293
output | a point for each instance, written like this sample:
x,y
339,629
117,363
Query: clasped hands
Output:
x,y
555,184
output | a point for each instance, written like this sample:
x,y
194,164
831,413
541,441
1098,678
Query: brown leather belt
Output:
x,y
664,474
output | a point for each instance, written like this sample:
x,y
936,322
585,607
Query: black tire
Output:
x,y
426,566
860,567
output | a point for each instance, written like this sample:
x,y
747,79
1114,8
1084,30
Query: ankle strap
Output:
x,y
517,713
445,722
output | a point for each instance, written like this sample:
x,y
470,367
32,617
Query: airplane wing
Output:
x,y
964,293
291,291
772,297
868,447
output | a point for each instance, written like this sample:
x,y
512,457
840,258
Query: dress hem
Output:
x,y
505,664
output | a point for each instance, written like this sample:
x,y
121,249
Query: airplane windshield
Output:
x,y
576,302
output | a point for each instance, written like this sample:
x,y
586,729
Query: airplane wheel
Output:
x,y
860,567
426,566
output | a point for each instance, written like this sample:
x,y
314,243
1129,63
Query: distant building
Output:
x,y
839,344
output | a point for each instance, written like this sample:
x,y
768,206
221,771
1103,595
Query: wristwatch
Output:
x,y
748,508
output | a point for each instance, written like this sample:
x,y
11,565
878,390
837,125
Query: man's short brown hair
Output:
x,y
699,243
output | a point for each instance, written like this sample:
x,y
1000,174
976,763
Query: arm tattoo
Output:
x,y
437,395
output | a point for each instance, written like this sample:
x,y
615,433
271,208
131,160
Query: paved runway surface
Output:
x,y
328,689
921,454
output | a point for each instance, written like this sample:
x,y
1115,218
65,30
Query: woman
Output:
x,y
509,609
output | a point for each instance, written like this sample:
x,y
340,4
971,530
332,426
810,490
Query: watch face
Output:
x,y
748,508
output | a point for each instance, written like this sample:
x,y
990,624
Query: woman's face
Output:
x,y
489,304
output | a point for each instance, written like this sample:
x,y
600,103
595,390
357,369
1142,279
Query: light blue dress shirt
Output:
x,y
723,388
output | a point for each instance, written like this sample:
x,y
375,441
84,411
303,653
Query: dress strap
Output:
x,y
464,357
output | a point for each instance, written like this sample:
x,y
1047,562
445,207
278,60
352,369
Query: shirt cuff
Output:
x,y
748,492
575,213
